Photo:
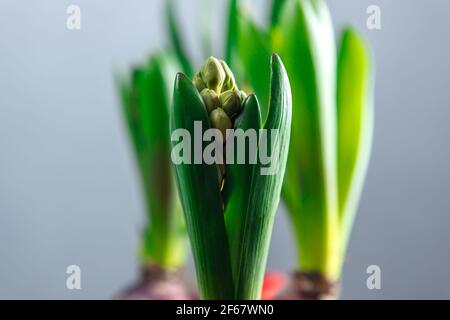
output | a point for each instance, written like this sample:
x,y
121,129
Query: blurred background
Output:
x,y
69,192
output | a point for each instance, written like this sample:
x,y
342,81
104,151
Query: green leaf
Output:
x,y
355,85
239,176
265,189
231,41
248,51
176,38
277,7
165,234
146,110
254,48
198,187
305,41
128,102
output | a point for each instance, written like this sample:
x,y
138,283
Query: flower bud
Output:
x,y
213,74
231,102
210,99
198,82
230,82
220,120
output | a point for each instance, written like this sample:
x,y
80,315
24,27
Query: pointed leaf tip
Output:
x,y
275,56
179,77
252,98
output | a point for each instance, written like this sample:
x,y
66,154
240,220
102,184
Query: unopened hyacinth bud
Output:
x,y
229,207
198,82
210,99
220,120
231,102
230,82
213,74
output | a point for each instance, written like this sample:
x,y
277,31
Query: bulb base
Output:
x,y
312,286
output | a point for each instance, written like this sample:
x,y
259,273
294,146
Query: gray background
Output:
x,y
69,193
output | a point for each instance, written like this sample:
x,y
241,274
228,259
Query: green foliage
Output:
x,y
355,124
264,193
332,128
176,38
248,51
277,7
198,186
305,40
230,230
146,101
332,131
